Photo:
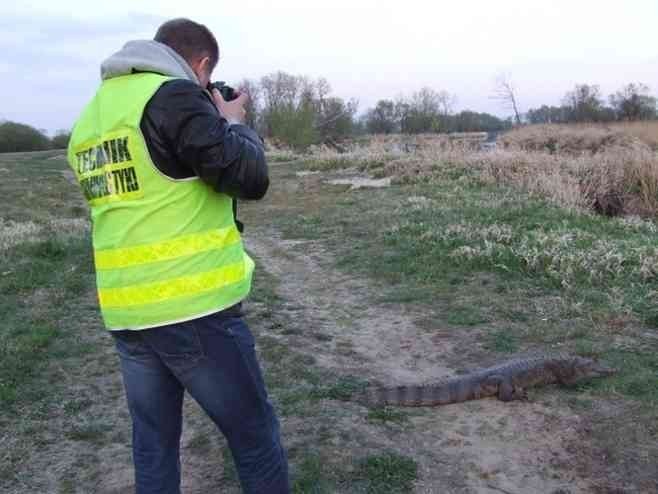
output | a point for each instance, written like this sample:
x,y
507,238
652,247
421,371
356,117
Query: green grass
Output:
x,y
230,473
485,256
93,432
387,415
46,276
311,477
502,342
32,302
342,389
387,472
74,407
200,443
466,316
390,472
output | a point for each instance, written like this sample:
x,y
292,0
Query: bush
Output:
x,y
61,139
16,137
293,126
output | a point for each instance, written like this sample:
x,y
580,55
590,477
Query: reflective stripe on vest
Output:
x,y
165,250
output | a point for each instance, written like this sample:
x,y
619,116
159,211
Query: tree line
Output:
x,y
16,137
585,103
300,111
427,111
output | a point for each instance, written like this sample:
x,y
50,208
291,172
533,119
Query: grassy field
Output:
x,y
466,271
550,277
517,271
65,426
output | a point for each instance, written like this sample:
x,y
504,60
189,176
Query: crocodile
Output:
x,y
507,381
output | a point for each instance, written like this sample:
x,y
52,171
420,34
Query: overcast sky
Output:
x,y
50,51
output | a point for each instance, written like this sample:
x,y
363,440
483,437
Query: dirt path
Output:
x,y
478,447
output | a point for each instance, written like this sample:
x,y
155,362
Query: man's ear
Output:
x,y
205,65
202,68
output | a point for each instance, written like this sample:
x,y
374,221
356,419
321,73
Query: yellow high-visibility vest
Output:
x,y
165,250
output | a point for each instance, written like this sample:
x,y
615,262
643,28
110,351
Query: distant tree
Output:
x,y
289,110
336,118
299,111
359,125
584,103
634,102
61,139
607,114
323,89
252,107
470,121
447,102
548,114
402,110
425,111
428,111
382,119
505,93
16,137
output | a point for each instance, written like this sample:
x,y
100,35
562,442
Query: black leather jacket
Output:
x,y
186,136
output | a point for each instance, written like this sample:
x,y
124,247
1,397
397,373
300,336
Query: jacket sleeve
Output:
x,y
191,131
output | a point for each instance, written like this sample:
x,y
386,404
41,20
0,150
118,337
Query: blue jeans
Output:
x,y
213,358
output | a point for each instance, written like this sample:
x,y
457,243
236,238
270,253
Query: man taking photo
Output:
x,y
160,161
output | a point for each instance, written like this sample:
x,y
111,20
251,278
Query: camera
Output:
x,y
227,92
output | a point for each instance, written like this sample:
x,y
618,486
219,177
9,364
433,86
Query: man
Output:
x,y
160,161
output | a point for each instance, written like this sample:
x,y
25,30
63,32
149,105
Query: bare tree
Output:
x,y
323,88
447,102
505,92
252,107
584,103
634,102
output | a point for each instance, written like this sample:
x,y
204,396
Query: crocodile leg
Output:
x,y
503,385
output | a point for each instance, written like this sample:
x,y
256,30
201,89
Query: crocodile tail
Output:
x,y
408,396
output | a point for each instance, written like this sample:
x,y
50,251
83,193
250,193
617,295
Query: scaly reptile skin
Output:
x,y
507,381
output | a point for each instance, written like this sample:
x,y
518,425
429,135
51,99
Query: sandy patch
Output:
x,y
362,183
14,233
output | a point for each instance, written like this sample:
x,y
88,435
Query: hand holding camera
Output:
x,y
230,102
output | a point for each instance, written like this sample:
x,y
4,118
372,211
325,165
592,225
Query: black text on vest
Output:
x,y
98,175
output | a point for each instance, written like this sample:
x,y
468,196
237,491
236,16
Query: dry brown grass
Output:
x,y
582,138
13,233
594,168
647,132
610,168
